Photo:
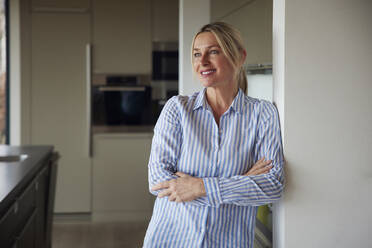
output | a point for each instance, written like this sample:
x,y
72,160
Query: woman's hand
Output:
x,y
183,189
187,188
260,167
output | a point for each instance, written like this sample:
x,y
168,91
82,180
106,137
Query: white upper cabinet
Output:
x,y
121,37
254,20
165,20
60,5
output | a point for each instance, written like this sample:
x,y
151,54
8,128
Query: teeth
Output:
x,y
207,72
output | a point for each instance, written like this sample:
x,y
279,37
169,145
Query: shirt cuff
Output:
x,y
212,190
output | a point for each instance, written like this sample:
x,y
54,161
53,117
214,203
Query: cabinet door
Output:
x,y
41,199
121,37
8,225
164,22
59,94
60,4
120,185
26,238
254,20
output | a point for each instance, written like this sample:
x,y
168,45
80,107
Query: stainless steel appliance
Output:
x,y
165,61
123,100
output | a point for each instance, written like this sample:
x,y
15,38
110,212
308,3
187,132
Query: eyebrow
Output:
x,y
197,49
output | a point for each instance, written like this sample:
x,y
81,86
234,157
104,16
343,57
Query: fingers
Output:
x,y
166,192
262,166
263,170
181,174
171,195
263,162
161,185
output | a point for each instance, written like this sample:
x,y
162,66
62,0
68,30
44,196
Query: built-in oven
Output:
x,y
123,101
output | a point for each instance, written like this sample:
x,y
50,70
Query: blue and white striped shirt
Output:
x,y
187,139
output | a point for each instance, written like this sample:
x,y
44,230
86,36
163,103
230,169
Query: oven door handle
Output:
x,y
120,88
88,66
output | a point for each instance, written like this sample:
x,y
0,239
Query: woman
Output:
x,y
203,150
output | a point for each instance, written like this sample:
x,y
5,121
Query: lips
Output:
x,y
207,72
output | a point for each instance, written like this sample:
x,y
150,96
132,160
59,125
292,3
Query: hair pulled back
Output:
x,y
231,43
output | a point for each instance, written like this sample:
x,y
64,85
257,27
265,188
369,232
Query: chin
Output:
x,y
207,83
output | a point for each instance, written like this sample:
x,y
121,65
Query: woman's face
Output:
x,y
209,62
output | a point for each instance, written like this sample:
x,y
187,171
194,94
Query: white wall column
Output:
x,y
278,99
20,72
323,53
15,72
193,15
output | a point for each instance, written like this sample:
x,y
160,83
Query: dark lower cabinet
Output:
x,y
41,202
27,222
27,236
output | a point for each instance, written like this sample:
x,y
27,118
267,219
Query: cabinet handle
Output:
x,y
118,88
37,185
88,98
16,207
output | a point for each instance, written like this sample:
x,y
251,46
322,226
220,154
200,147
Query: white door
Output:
x,y
59,102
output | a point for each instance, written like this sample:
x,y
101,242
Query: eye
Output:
x,y
214,52
197,55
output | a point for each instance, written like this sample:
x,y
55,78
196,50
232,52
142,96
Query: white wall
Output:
x,y
278,97
20,74
15,73
327,118
193,15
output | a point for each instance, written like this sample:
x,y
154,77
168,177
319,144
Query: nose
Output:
x,y
204,60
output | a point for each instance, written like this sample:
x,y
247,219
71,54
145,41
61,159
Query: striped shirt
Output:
x,y
187,139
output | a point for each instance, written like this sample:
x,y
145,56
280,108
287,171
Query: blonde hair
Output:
x,y
231,43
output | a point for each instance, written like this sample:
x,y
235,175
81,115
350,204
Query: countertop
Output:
x,y
14,175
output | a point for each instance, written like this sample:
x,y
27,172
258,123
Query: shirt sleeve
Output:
x,y
166,146
252,190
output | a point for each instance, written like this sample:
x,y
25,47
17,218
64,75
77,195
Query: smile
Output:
x,y
208,72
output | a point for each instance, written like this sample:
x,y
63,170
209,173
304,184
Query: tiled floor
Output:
x,y
98,235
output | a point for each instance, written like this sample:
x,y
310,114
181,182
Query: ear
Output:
x,y
244,55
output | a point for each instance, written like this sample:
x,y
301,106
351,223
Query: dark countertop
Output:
x,y
14,175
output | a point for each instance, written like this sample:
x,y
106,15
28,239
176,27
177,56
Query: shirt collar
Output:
x,y
200,100
237,104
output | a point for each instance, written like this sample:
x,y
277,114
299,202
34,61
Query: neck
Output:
x,y
220,99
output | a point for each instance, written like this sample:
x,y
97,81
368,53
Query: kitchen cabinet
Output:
x,y
165,15
60,5
27,198
254,20
120,184
121,37
60,105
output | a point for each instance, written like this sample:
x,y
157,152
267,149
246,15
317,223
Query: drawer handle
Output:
x,y
16,207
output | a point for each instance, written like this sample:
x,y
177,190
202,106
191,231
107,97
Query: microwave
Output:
x,y
165,61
